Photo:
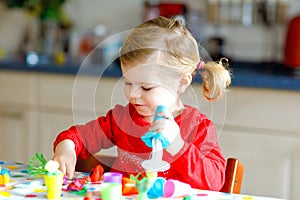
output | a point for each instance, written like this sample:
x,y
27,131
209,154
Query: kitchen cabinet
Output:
x,y
258,126
35,107
18,135
17,115
270,161
67,100
261,128
51,124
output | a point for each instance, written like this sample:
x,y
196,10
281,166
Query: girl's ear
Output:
x,y
184,83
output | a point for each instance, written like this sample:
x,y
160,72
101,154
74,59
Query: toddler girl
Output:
x,y
158,60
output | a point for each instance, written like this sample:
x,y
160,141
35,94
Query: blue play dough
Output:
x,y
147,138
160,109
157,189
4,171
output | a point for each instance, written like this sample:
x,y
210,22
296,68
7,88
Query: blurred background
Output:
x,y
44,42
246,30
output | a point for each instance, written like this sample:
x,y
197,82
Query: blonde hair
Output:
x,y
170,44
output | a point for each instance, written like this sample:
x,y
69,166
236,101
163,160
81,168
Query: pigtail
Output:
x,y
216,79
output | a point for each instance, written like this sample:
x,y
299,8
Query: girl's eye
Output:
x,y
146,88
127,83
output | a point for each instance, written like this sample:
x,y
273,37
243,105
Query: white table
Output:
x,y
24,186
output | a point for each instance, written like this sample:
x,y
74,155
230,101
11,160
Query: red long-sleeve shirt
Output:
x,y
199,163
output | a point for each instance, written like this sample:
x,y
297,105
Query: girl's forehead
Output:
x,y
149,74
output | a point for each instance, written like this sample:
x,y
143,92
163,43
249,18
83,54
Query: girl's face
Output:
x,y
146,87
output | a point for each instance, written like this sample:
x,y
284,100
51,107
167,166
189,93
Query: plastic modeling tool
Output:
x,y
158,142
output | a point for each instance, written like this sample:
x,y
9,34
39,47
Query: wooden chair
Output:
x,y
233,176
88,164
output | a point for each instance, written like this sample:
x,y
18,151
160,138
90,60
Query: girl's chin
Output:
x,y
145,115
148,116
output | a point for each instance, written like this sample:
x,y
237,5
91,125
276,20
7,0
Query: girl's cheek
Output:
x,y
126,92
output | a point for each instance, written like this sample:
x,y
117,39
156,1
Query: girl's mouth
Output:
x,y
138,105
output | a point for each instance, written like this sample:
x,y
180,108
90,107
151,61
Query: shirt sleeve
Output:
x,y
201,163
89,138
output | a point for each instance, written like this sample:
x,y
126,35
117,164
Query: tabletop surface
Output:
x,y
22,185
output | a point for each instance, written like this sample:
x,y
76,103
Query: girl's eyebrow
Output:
x,y
125,78
141,83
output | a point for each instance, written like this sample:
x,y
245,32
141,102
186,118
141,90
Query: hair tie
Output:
x,y
200,65
224,62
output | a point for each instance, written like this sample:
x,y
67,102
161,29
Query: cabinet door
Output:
x,y
18,115
267,158
50,125
81,93
18,88
18,139
12,136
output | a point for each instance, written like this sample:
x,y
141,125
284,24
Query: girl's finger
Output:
x,y
62,168
70,170
167,115
157,125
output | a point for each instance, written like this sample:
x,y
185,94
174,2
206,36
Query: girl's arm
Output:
x,y
201,164
65,155
80,142
89,138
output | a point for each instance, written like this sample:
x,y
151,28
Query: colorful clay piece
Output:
x,y
37,164
157,189
128,186
4,176
65,181
39,190
96,173
76,185
30,196
190,197
248,198
82,192
5,194
142,185
111,191
94,176
202,195
12,167
89,196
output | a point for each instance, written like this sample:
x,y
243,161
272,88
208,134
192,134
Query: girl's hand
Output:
x,y
170,129
65,155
